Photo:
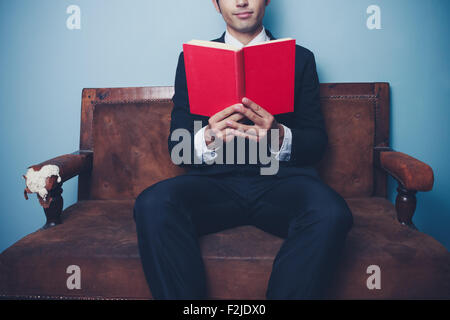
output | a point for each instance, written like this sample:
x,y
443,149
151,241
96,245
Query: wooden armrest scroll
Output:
x,y
46,179
411,174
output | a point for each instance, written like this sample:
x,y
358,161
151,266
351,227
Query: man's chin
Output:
x,y
246,28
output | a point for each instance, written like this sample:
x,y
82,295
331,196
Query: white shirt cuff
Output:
x,y
284,154
201,149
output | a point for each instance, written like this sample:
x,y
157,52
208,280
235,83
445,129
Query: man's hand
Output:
x,y
218,128
262,119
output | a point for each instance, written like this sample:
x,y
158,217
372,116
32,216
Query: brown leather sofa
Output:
x,y
123,150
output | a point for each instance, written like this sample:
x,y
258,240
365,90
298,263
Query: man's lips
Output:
x,y
243,15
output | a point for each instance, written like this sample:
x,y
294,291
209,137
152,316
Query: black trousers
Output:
x,y
170,215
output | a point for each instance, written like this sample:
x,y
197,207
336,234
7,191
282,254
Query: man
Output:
x,y
294,203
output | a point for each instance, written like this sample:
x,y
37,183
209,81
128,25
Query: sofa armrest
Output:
x,y
411,174
46,179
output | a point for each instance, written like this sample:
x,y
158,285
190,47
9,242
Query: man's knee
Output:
x,y
158,207
342,214
336,215
147,206
331,215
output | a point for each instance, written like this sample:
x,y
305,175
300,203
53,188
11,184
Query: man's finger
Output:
x,y
234,117
219,116
238,126
215,133
255,107
245,135
250,114
229,135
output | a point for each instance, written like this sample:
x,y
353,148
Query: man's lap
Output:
x,y
307,197
222,201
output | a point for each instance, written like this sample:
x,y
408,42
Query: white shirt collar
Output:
x,y
261,37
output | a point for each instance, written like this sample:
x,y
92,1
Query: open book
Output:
x,y
219,75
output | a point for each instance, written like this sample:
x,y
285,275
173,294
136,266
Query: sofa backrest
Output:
x,y
128,128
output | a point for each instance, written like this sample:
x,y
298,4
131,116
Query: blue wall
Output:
x,y
44,66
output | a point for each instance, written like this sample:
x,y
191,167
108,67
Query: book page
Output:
x,y
268,42
213,44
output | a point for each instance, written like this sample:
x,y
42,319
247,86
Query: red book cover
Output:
x,y
219,75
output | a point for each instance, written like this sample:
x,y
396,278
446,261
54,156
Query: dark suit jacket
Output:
x,y
309,137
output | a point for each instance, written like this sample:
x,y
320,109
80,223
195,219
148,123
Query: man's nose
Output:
x,y
241,3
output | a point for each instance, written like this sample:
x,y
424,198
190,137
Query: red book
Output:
x,y
219,75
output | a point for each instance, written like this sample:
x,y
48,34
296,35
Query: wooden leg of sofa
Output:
x,y
53,207
405,205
